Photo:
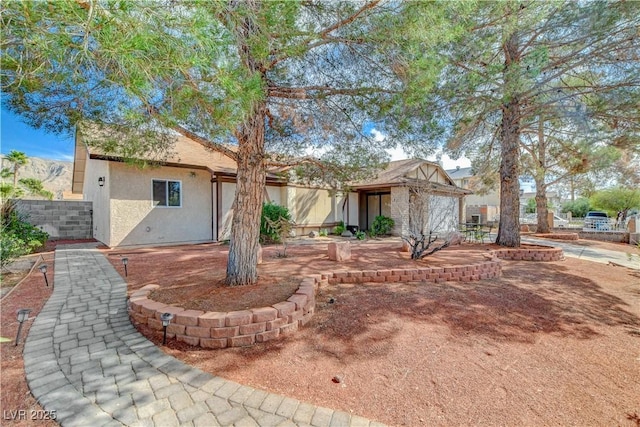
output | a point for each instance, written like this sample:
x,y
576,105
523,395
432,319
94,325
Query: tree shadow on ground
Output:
x,y
528,300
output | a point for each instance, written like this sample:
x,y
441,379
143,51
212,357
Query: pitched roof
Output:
x,y
412,171
459,173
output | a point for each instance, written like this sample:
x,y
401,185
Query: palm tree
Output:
x,y
17,159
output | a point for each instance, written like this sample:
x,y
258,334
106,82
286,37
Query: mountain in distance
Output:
x,y
56,175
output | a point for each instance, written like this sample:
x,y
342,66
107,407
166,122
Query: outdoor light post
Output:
x,y
43,270
166,319
22,315
125,261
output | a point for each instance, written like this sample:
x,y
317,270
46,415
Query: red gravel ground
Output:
x,y
546,344
15,395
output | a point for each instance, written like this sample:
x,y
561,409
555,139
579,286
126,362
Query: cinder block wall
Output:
x,y
62,219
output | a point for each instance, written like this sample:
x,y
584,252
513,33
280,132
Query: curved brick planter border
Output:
x,y
529,254
246,327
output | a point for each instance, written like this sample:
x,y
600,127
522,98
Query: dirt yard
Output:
x,y
548,343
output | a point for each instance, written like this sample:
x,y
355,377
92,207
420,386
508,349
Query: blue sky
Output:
x,y
16,135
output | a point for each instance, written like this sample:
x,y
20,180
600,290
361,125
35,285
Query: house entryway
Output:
x,y
373,204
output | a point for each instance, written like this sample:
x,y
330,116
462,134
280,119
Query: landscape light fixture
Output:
x,y
23,316
166,319
101,181
125,262
43,270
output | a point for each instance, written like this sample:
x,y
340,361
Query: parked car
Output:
x,y
596,221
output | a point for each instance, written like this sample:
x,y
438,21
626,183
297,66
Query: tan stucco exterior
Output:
x,y
124,214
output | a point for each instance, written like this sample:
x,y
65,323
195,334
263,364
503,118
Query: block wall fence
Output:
x,y
62,219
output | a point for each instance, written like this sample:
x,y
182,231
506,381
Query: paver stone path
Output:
x,y
85,361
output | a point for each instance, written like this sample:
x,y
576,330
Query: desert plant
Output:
x,y
271,213
429,222
340,228
381,226
18,236
282,227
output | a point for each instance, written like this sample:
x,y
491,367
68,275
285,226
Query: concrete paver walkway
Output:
x,y
84,360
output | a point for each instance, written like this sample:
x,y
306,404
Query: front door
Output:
x,y
377,204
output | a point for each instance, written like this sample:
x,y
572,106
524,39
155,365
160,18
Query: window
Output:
x,y
167,193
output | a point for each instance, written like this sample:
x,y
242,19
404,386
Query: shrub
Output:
x,y
273,212
578,208
18,237
360,235
381,226
323,232
339,228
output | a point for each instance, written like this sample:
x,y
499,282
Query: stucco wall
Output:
x,y
99,196
228,194
274,194
400,210
351,216
134,219
314,206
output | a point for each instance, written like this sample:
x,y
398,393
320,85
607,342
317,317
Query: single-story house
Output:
x,y
188,198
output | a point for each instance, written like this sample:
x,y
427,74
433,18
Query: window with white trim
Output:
x,y
167,193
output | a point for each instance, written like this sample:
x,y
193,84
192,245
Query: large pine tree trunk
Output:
x,y
242,265
541,187
541,207
509,228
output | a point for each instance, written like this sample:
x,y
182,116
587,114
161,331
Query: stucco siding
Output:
x,y
227,197
274,194
314,206
136,221
99,196
351,214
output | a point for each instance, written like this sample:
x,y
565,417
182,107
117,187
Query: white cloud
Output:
x,y
377,135
448,163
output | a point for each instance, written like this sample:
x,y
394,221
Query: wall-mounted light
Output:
x,y
23,316
166,319
125,262
43,270
101,181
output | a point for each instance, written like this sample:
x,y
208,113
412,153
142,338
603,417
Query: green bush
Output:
x,y
381,226
18,237
339,228
578,208
274,212
360,235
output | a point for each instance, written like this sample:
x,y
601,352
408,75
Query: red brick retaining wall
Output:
x,y
246,327
461,273
232,329
529,254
